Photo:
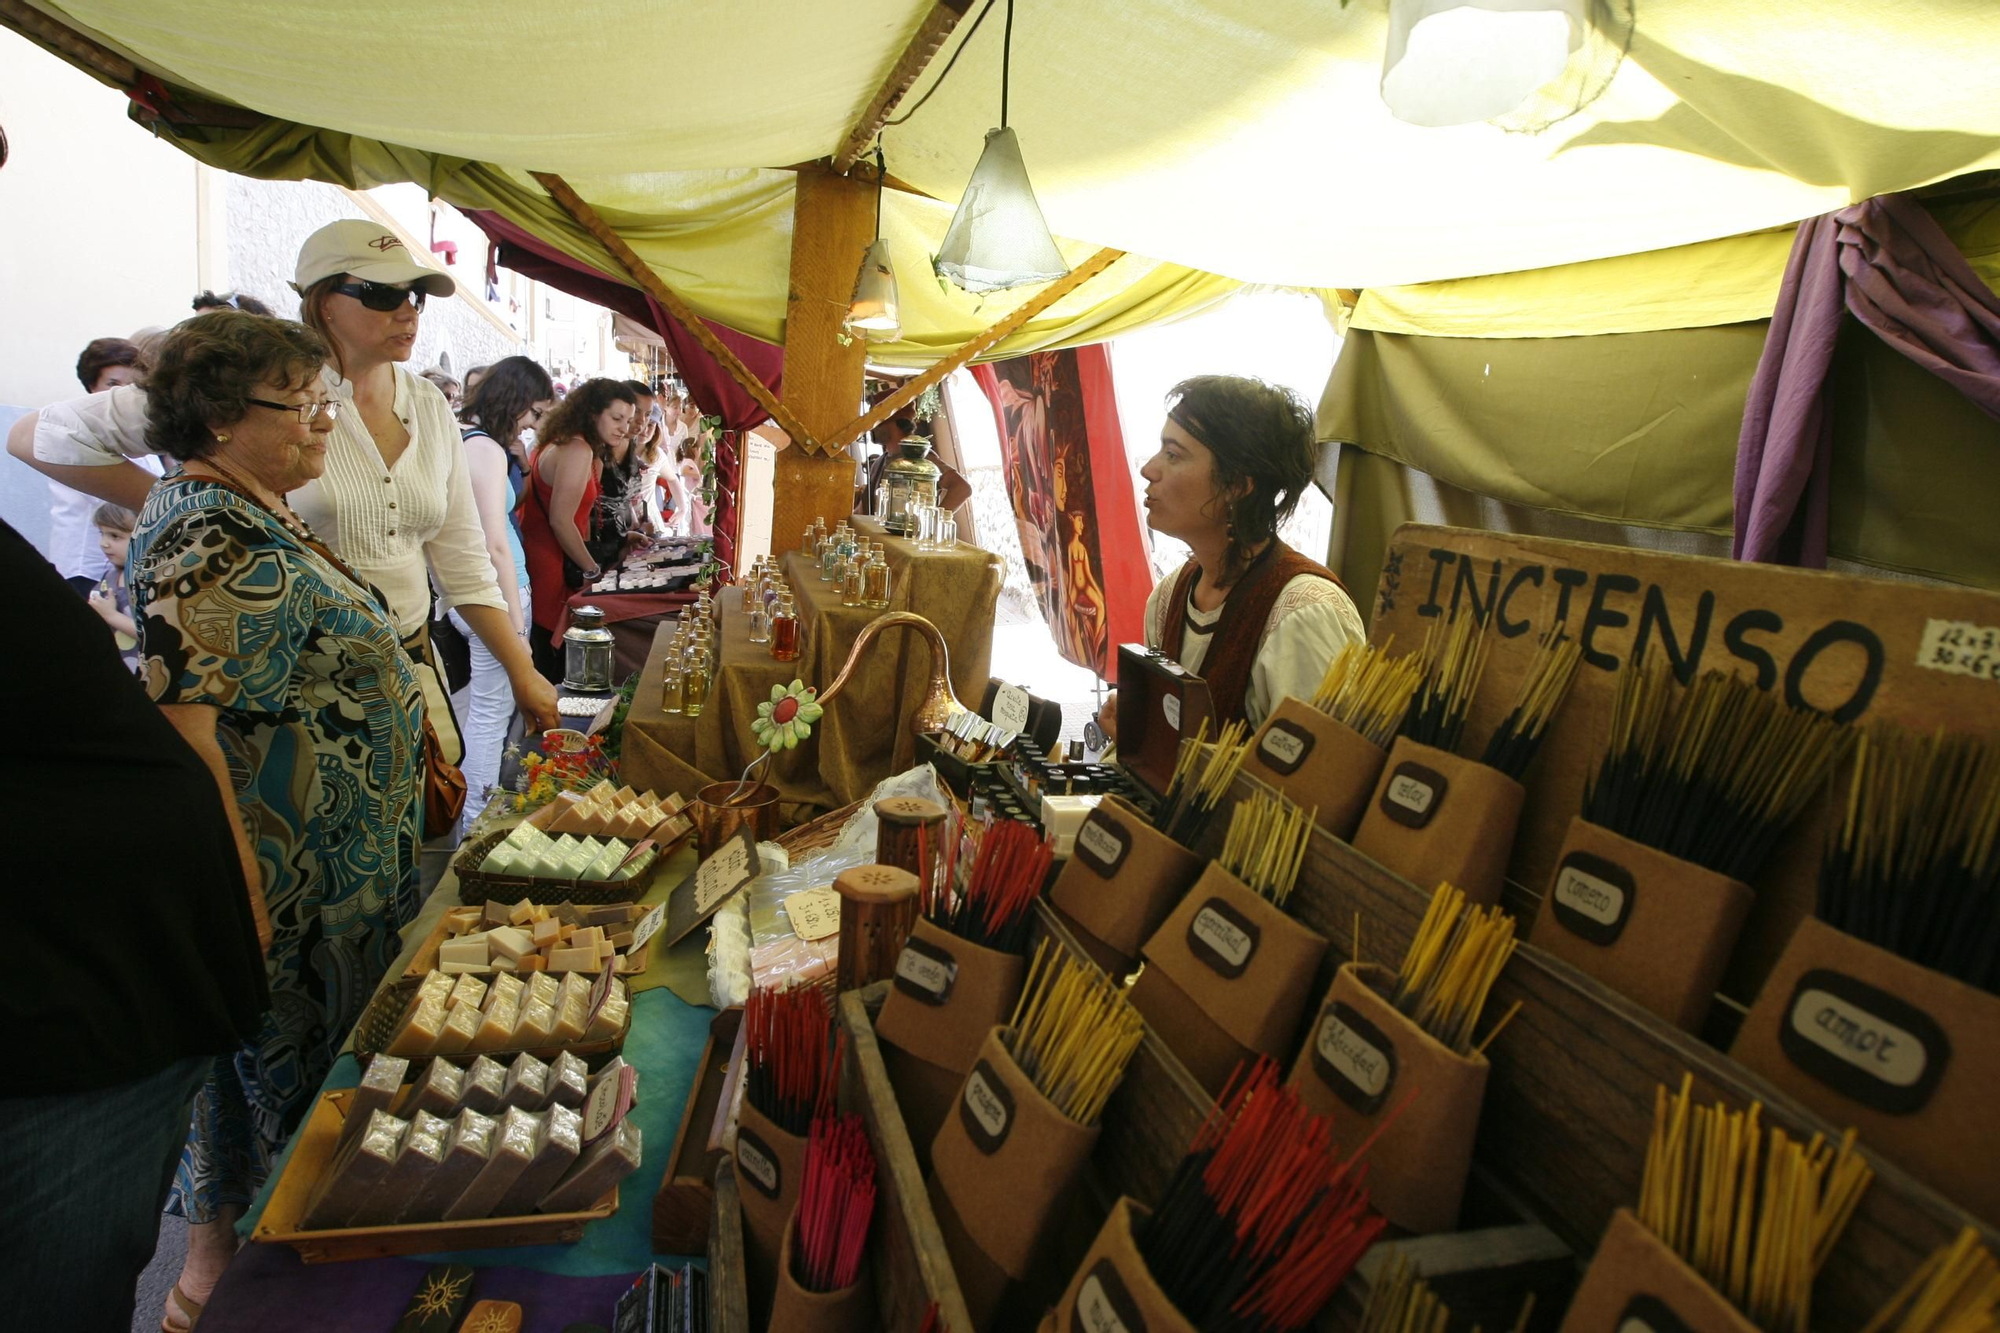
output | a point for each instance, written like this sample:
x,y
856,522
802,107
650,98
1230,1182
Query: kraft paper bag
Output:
x,y
1907,1056
1654,928
797,1310
1435,818
1120,882
1362,1060
769,1162
1317,762
1227,977
1003,1163
1112,1287
1634,1281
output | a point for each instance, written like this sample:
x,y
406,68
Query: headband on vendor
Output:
x,y
1264,445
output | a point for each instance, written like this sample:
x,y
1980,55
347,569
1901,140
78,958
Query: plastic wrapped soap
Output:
x,y
461,1025
422,1150
380,1083
441,1090
496,1029
572,987
505,986
611,1069
556,1150
610,1020
536,1026
469,988
527,1083
569,1080
486,1086
419,1033
543,989
472,1136
603,1164
513,1149
356,1170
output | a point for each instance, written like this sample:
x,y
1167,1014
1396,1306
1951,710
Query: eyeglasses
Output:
x,y
382,296
305,412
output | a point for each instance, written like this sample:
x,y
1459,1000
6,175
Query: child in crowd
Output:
x,y
110,599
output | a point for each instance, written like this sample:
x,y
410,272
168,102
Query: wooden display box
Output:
x,y
312,1153
685,1204
1159,705
728,1296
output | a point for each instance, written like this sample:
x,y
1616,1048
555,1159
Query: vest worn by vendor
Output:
x,y
1239,634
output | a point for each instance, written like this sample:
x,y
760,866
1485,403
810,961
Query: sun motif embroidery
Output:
x,y
492,1319
441,1293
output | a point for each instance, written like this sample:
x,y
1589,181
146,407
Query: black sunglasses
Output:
x,y
381,296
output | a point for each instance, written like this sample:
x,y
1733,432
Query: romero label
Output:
x,y
1593,897
1102,843
1353,1057
1284,747
1413,794
925,972
1223,938
1649,1314
758,1163
986,1109
1103,1303
1170,706
1863,1042
1010,708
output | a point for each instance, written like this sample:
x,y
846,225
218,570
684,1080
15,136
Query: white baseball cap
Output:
x,y
370,252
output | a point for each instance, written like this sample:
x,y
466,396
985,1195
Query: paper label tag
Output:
x,y
608,1103
1413,794
648,925
1170,706
1102,843
1593,897
1960,648
1104,1305
733,865
600,989
1863,1042
986,1109
1223,938
1649,1314
815,913
925,972
1010,708
1284,747
758,1163
1353,1057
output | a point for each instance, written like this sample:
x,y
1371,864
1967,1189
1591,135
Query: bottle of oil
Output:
x,y
851,576
695,672
785,630
875,581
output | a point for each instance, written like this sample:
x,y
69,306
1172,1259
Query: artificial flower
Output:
x,y
786,718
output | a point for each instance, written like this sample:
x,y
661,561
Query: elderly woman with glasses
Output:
x,y
283,668
395,499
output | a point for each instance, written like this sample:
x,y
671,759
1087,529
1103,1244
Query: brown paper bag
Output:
x,y
1112,1287
1317,762
1435,818
1227,976
1654,928
1005,1162
796,1310
1635,1281
1907,1056
769,1163
1362,1060
1120,883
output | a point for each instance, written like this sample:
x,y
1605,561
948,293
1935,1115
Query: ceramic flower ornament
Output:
x,y
787,717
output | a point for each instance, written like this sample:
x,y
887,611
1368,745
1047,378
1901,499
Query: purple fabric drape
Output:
x,y
1887,262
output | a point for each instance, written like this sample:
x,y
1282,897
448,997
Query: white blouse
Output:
x,y
1311,621
389,523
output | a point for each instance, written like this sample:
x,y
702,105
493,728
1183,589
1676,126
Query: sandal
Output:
x,y
184,1305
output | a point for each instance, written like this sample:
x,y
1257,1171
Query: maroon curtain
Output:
x,y
1888,263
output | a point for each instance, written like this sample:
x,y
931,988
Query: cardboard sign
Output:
x,y
1593,897
1102,843
1284,747
815,913
1223,938
986,1109
759,1165
696,898
1104,1305
1863,1042
1010,709
608,1104
1353,1057
925,972
1413,794
648,925
1649,1314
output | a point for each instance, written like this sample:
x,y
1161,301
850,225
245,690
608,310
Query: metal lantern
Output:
x,y
587,652
912,480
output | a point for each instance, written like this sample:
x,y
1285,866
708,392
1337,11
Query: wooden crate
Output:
x,y
728,1297
312,1153
684,1207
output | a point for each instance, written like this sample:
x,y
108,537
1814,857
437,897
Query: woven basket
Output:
x,y
816,834
385,1013
475,886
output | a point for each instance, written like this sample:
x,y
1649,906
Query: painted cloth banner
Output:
x,y
1071,488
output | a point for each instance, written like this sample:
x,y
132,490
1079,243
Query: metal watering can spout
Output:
x,y
939,702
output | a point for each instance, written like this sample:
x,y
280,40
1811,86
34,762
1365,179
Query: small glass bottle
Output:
x,y
785,630
759,618
810,544
829,557
850,580
695,692
673,690
875,581
819,531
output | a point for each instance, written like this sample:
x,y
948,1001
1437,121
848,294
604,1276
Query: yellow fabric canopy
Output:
x,y
1231,142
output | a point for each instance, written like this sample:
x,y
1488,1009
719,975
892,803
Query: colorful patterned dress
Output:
x,y
321,725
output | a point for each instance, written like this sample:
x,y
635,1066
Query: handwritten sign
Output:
x,y
608,1104
815,913
1412,794
1104,1304
696,898
1593,897
986,1109
1960,648
1223,938
1010,708
1863,1042
648,926
1284,747
1102,843
925,972
1353,1057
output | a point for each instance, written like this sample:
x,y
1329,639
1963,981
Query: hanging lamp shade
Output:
x,y
873,311
998,239
1458,62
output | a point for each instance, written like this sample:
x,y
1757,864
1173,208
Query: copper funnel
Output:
x,y
939,702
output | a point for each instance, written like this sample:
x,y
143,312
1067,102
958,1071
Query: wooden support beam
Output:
x,y
645,279
1033,306
922,49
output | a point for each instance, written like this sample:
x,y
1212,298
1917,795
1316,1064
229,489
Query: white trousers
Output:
x,y
485,709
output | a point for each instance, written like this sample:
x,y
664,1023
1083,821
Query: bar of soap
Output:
x,y
435,986
573,988
610,1020
380,1083
460,920
472,990
509,942
496,913
602,1165
513,1150
557,1147
545,933
440,1091
461,1025
420,1031
485,1087
544,989
356,1171
536,1025
521,911
496,1031
533,962
527,1083
573,958
571,1021
472,1136
422,1150
466,950
569,1080
505,987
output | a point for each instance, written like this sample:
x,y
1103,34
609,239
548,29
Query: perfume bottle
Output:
x,y
785,630
760,620
810,545
673,690
850,578
695,692
875,581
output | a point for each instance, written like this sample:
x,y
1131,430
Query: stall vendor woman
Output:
x,y
1247,613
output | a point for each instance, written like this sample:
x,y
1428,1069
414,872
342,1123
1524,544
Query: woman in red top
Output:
x,y
575,442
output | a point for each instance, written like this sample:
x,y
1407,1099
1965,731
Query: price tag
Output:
x,y
600,989
1010,708
986,1109
608,1103
1864,1043
1170,706
696,898
815,913
648,924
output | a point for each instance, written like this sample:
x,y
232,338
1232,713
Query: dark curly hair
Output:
x,y
576,416
210,368
505,392
249,305
100,355
1259,433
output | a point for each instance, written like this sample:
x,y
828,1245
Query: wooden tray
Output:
x,y
476,886
384,1015
728,1296
683,1209
312,1151
427,952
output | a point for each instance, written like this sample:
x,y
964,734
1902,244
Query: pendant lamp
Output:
x,y
997,238
873,313
1459,62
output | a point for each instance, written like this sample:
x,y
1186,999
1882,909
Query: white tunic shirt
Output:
x,y
1310,622
389,523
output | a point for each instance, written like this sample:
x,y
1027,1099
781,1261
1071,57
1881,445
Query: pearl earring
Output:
x,y
222,439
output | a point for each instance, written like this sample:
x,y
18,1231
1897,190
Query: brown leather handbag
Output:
x,y
444,786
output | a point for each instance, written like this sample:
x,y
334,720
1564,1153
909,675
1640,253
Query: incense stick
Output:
x,y
1369,691
1457,955
1400,1301
1073,1032
1543,689
1266,844
793,1049
992,909
1957,1290
1200,781
1454,659
836,1204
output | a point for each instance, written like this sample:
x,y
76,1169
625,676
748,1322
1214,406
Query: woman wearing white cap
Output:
x,y
395,500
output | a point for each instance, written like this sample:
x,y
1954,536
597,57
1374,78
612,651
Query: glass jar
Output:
x,y
673,689
829,551
785,630
912,480
759,618
875,581
810,544
850,581
587,652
